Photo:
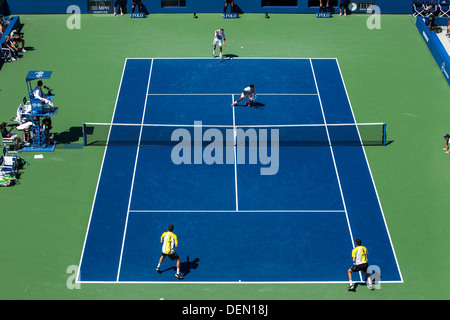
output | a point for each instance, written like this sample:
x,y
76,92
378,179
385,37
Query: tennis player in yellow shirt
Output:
x,y
170,241
359,256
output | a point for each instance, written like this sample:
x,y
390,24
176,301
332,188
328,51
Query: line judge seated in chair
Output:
x,y
10,137
39,94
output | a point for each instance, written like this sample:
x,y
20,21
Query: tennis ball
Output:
x,y
242,47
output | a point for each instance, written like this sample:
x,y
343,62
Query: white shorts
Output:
x,y
250,96
217,41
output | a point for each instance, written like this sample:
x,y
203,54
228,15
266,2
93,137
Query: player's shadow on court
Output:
x,y
229,56
254,105
185,267
257,105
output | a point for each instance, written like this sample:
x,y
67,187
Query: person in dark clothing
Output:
x,y
231,2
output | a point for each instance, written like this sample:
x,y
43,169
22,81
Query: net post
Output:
x,y
84,134
384,134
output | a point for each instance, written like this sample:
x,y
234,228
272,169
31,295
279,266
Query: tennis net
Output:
x,y
343,134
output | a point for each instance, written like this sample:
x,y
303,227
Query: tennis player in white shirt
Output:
x,y
219,39
248,92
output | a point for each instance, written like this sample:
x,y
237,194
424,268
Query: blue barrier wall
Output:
x,y
436,48
43,6
201,6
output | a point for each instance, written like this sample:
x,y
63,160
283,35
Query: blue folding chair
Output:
x,y
418,8
444,8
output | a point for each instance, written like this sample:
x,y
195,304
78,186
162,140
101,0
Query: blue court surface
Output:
x,y
296,224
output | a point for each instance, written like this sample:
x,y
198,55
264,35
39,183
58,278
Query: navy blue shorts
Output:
x,y
343,3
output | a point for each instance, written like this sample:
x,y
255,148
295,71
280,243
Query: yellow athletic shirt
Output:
x,y
169,240
360,254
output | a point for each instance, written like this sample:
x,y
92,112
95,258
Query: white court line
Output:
x,y
134,175
231,126
99,176
238,211
262,211
332,154
227,282
227,94
249,58
235,155
371,176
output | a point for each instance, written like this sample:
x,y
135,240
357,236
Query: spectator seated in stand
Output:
x,y
17,37
11,46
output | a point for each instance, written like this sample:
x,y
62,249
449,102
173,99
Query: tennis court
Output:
x,y
296,224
